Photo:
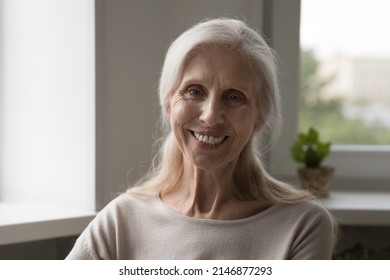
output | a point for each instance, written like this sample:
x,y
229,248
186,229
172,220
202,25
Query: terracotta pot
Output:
x,y
316,180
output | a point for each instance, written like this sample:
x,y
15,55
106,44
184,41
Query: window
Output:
x,y
364,165
345,70
47,103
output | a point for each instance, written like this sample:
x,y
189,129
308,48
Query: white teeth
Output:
x,y
210,140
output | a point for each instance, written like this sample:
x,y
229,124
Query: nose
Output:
x,y
212,114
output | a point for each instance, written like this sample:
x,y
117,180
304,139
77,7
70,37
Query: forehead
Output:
x,y
219,65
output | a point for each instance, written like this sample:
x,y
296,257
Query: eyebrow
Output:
x,y
207,81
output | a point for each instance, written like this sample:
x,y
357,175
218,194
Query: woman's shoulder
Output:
x,y
99,240
122,211
303,211
307,205
129,200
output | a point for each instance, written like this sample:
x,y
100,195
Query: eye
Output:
x,y
235,97
194,92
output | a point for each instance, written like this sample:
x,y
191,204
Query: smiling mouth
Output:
x,y
208,139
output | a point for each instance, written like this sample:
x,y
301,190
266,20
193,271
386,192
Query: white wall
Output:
x,y
132,37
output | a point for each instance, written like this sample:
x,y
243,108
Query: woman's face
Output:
x,y
213,113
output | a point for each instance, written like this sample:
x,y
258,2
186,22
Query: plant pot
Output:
x,y
316,180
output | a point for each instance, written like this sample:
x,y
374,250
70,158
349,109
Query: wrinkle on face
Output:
x,y
220,78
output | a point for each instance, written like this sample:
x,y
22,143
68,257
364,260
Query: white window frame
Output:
x,y
357,167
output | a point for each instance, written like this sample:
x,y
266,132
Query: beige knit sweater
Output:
x,y
143,227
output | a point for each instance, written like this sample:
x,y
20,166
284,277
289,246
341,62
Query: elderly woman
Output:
x,y
208,195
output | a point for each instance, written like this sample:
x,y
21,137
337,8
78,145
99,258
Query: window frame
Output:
x,y
357,166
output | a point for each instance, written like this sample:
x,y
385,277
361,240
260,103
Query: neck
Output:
x,y
203,193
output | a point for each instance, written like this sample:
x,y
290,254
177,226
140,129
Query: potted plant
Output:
x,y
311,151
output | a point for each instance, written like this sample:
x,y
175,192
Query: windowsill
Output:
x,y
357,201
23,222
359,207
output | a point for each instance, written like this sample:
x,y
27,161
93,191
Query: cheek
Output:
x,y
244,126
182,111
245,121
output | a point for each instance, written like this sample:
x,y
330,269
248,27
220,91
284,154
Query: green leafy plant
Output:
x,y
308,149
